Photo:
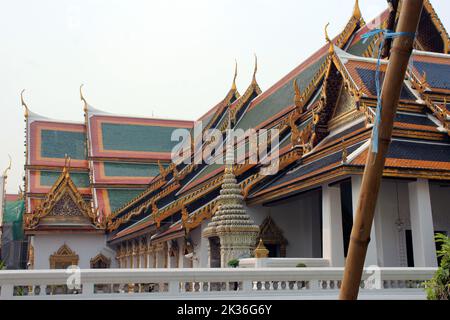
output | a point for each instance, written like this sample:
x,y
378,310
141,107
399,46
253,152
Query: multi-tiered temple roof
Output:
x,y
324,110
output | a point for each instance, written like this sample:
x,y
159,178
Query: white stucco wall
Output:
x,y
299,219
86,246
392,218
392,208
440,197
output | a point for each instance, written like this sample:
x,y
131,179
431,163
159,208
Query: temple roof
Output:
x,y
64,208
132,138
324,108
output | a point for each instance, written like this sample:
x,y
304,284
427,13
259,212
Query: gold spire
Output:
x,y
356,11
82,98
255,69
24,104
5,173
261,250
233,86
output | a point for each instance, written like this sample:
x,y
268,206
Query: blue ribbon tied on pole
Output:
x,y
385,34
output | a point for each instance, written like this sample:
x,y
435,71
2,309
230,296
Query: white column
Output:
x,y
332,237
372,253
422,224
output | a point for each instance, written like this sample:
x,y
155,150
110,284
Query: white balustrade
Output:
x,y
240,283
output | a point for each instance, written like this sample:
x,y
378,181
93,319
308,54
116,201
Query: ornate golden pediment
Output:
x,y
63,204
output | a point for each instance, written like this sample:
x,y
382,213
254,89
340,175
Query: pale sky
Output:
x,y
172,58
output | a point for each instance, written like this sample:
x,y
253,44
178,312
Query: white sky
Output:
x,y
173,58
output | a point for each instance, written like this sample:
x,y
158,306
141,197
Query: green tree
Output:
x,y
438,288
234,263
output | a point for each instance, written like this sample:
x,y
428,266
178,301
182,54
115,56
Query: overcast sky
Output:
x,y
169,58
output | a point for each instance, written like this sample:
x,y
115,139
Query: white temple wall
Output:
x,y
440,196
199,243
202,250
391,219
299,219
86,246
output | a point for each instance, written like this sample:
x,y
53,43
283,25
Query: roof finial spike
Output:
x,y
233,86
327,38
5,173
357,11
22,101
82,98
255,69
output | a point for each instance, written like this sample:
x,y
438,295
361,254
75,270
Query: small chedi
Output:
x,y
231,232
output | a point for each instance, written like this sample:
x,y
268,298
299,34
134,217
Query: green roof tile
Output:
x,y
81,179
114,169
119,197
279,100
360,47
126,137
56,144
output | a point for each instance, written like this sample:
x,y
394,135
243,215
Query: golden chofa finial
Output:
x,y
357,11
327,38
233,86
22,101
255,69
82,98
5,173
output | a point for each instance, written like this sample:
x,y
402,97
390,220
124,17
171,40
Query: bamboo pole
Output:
x,y
392,85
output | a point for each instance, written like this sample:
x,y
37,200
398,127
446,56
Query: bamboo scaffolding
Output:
x,y
360,236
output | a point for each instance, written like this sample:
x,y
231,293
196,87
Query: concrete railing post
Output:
x,y
7,291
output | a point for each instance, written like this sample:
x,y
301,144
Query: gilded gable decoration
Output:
x,y
63,204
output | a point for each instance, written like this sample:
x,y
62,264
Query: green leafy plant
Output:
x,y
2,265
438,288
301,265
233,263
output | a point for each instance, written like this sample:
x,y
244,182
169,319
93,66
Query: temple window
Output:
x,y
63,258
273,238
100,262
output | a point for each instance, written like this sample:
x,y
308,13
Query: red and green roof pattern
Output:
x,y
124,150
